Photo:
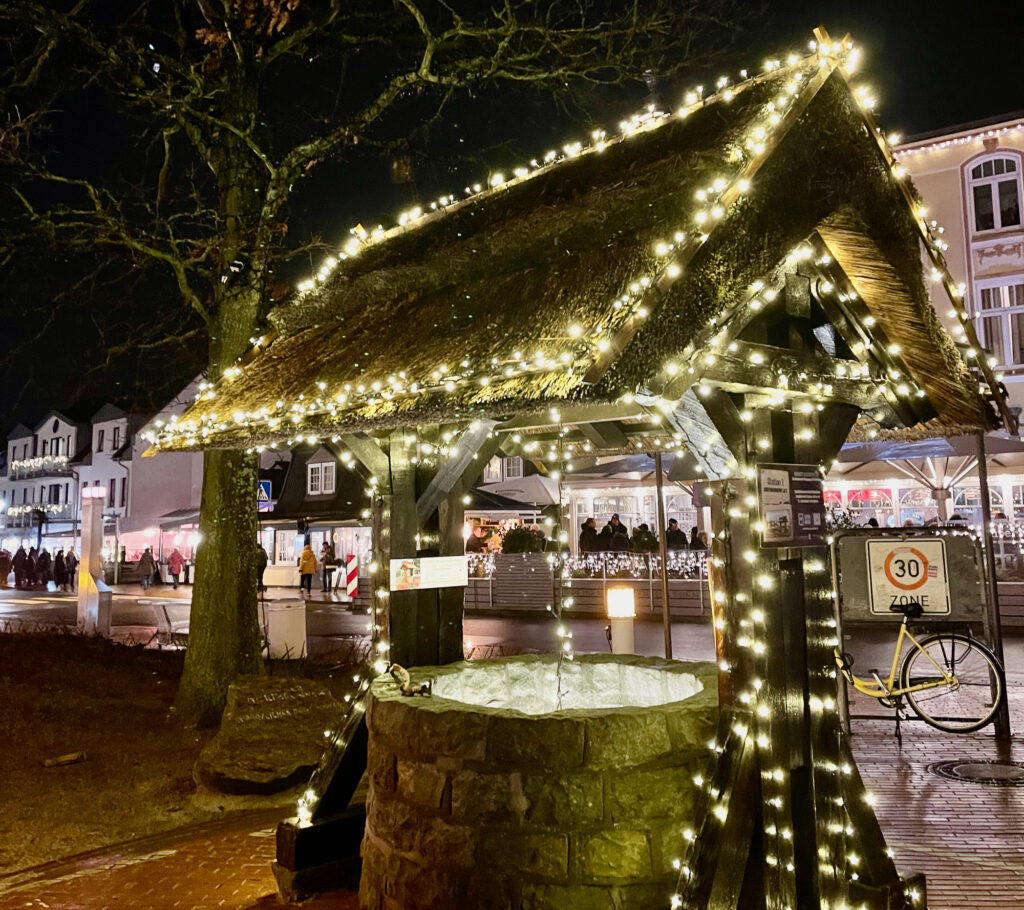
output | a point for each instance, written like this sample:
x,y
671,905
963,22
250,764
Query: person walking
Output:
x,y
262,560
20,562
30,568
327,563
307,569
60,571
146,568
175,563
71,567
5,567
43,567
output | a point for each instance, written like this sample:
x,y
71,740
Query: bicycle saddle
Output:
x,y
911,610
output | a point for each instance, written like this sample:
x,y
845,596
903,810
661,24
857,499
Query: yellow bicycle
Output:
x,y
950,680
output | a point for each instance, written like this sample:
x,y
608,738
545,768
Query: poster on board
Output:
x,y
418,573
908,571
792,505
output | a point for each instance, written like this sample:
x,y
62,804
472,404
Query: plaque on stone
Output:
x,y
271,737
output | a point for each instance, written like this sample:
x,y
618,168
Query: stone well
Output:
x,y
493,794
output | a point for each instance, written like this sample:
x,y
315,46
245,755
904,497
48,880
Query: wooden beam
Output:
x,y
407,639
368,452
576,414
468,453
856,337
737,376
700,437
725,417
604,435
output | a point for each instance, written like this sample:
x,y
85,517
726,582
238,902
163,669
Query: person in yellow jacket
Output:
x,y
307,569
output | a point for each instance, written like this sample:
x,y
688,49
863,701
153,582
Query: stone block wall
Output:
x,y
473,806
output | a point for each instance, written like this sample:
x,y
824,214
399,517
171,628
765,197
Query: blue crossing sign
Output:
x,y
263,503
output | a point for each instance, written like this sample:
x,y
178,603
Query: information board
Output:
x,y
792,505
908,571
418,573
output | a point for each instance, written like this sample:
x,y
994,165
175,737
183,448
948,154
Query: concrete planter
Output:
x,y
483,805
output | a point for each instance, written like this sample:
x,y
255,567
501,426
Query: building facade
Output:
x,y
148,501
40,489
970,178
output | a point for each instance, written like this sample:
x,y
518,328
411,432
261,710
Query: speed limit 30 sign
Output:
x,y
908,571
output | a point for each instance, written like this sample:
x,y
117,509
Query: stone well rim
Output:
x,y
705,672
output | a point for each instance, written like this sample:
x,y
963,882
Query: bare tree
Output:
x,y
200,86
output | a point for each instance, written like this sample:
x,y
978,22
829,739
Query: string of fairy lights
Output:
x,y
377,662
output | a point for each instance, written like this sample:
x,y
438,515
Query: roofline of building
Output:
x,y
962,132
60,416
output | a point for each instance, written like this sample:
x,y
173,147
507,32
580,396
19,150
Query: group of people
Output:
x,y
148,568
36,568
615,537
308,565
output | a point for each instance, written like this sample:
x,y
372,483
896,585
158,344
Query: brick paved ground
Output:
x,y
212,867
968,838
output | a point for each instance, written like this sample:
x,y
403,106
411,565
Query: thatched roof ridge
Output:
x,y
476,314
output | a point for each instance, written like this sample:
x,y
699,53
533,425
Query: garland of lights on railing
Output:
x,y
49,508
41,463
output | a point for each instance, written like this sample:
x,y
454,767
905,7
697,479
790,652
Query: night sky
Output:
x,y
932,65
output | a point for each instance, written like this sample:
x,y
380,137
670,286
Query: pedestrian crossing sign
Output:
x,y
263,496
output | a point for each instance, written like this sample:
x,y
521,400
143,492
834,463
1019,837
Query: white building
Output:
x,y
149,501
40,489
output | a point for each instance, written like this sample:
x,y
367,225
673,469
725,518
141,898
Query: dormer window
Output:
x,y
320,479
995,193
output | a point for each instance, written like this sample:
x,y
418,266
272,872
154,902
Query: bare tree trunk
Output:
x,y
223,640
223,630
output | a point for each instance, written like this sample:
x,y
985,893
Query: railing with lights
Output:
x,y
54,465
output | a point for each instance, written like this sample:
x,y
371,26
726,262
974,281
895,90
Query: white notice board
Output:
x,y
416,573
906,571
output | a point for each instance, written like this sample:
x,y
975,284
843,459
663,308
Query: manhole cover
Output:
x,y
979,771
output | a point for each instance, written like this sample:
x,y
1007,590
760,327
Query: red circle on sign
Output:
x,y
899,584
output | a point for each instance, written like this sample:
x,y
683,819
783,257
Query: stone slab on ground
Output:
x,y
271,735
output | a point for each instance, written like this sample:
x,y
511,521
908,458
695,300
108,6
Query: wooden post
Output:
x,y
404,526
775,633
450,519
1002,723
663,548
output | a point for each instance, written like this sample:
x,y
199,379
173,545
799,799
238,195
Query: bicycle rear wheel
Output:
x,y
961,707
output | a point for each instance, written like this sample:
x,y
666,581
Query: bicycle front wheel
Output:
x,y
974,696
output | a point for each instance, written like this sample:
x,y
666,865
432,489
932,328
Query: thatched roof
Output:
x,y
551,290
